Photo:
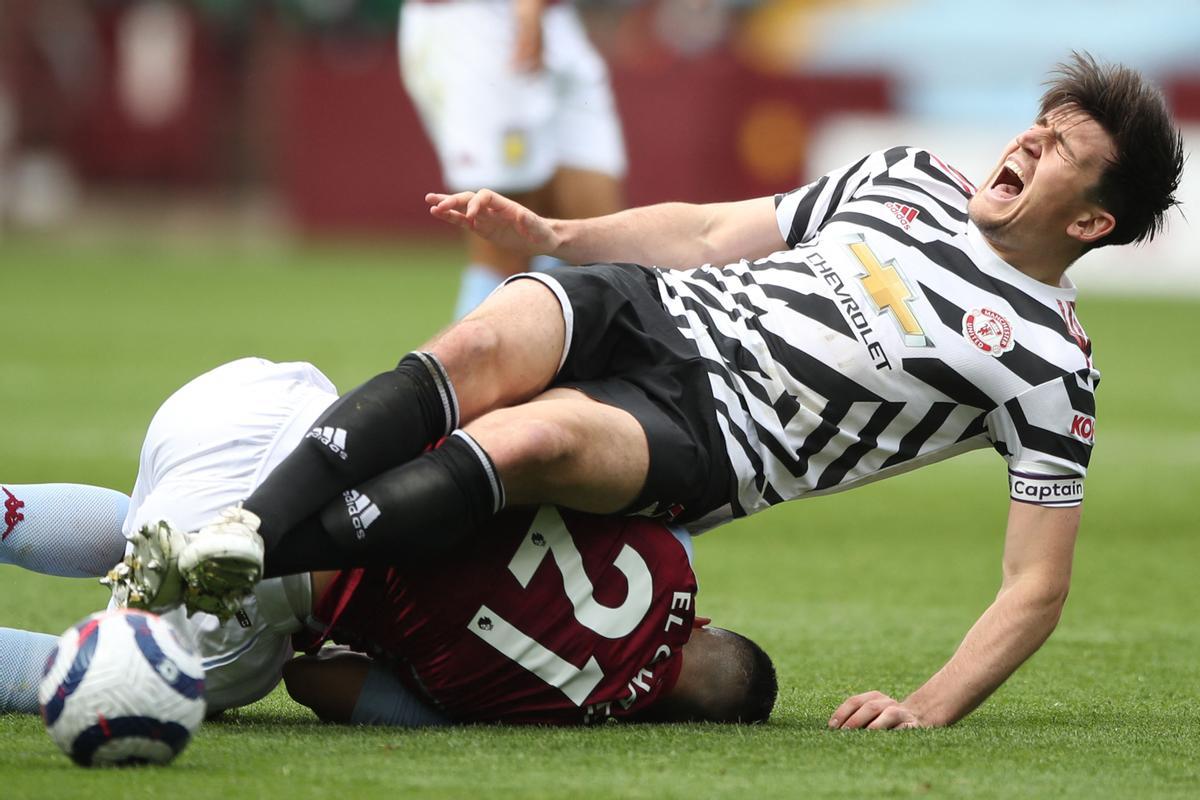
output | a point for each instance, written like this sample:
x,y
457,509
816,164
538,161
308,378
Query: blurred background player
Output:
x,y
515,662
514,96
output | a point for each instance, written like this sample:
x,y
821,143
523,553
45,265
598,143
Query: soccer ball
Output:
x,y
121,687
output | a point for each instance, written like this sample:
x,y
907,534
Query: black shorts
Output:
x,y
624,349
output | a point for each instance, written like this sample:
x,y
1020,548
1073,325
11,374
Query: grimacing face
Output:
x,y
1036,199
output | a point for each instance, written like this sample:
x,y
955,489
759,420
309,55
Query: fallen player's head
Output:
x,y
1101,163
725,677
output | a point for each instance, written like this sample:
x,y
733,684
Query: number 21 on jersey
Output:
x,y
548,535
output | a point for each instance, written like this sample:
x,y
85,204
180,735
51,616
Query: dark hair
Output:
x,y
762,687
735,682
1138,185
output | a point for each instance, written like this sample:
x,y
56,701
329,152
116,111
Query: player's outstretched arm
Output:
x,y
1038,551
674,235
504,222
347,687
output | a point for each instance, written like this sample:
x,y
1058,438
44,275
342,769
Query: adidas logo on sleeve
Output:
x,y
333,438
361,510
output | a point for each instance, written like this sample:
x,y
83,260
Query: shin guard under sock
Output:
x,y
423,508
385,422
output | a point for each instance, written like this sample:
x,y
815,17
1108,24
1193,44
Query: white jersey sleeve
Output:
x,y
802,212
244,657
1046,434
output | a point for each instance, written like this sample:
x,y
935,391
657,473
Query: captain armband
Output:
x,y
1055,491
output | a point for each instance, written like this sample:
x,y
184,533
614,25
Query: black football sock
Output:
x,y
308,548
385,422
423,508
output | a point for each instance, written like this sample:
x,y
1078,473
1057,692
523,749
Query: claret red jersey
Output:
x,y
550,617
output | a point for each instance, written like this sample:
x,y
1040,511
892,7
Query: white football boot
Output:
x,y
148,577
221,563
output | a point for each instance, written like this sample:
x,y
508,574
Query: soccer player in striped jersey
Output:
x,y
886,316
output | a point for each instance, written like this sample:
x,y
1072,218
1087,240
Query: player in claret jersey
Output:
x,y
553,618
537,622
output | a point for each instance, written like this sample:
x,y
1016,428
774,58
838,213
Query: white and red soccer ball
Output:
x,y
122,688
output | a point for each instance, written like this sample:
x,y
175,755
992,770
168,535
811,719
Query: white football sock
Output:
x,y
476,284
65,529
544,263
23,656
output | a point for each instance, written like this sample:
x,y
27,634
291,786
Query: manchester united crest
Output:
x,y
989,331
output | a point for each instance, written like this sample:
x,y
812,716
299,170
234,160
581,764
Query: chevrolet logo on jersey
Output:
x,y
887,288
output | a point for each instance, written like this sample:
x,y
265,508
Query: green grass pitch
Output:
x,y
866,590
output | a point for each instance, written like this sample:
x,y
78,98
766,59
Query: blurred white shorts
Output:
x,y
496,128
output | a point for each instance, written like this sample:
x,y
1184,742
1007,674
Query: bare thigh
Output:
x,y
567,449
504,352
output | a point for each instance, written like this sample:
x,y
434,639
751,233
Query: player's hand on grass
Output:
x,y
874,711
496,218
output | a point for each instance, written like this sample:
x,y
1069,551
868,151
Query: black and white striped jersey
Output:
x,y
889,336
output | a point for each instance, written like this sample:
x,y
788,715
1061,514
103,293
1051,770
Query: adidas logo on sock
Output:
x,y
362,512
333,438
